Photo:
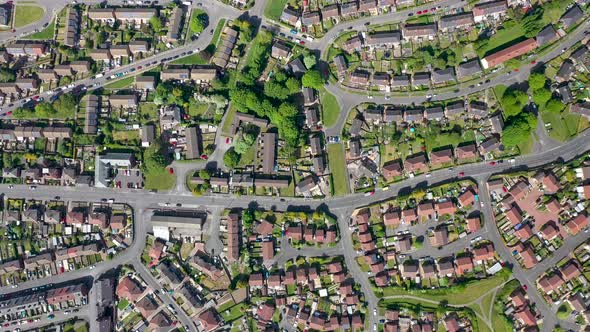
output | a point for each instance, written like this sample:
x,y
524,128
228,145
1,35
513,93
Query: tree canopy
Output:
x,y
518,129
312,79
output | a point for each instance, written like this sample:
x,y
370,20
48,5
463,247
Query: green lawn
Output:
x,y
338,169
274,9
487,302
564,125
457,295
506,36
330,108
193,59
148,112
194,14
233,313
121,84
122,304
229,119
27,14
47,33
217,32
160,180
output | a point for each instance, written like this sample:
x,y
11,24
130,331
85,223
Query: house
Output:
x,y
546,36
577,224
392,114
478,109
123,101
309,96
392,169
441,157
269,141
290,16
369,6
434,113
550,283
489,145
138,46
27,83
101,54
465,152
473,224
91,115
419,31
311,117
582,109
440,236
414,115
203,74
47,75
193,143
483,253
353,44
467,198
571,17
497,123
508,53
400,81
180,74
319,166
383,39
209,320
443,76
528,257
135,15
455,108
175,25
280,51
310,18
566,71
492,10
359,78
348,9
330,11
469,68
381,80
421,79
340,64
565,93
145,82
456,21
415,163
101,14
129,289
463,265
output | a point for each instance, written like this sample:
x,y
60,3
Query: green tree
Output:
x,y
309,61
44,110
537,81
555,106
154,157
66,105
293,85
533,22
246,29
276,90
7,75
199,22
156,23
513,101
541,96
231,158
518,129
204,174
312,79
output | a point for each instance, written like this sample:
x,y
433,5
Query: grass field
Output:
x,y
160,180
193,59
502,37
121,84
47,33
274,9
330,108
460,296
194,14
563,126
338,169
27,14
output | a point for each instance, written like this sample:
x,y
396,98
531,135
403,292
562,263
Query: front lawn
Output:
x,y
338,169
47,33
193,59
159,180
27,14
501,39
330,108
121,84
563,126
274,9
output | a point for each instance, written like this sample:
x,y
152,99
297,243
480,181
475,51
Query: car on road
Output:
x,y
492,163
370,193
512,161
461,173
33,187
50,316
525,287
293,31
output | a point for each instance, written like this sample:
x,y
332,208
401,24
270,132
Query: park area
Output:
x,y
27,13
338,169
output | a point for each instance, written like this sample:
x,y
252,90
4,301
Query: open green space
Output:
x,y
338,169
330,108
217,31
229,119
47,33
122,304
159,180
274,9
234,312
121,84
505,36
563,126
193,59
457,295
27,14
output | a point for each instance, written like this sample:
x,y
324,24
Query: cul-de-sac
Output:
x,y
294,165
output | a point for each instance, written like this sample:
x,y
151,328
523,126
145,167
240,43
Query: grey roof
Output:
x,y
308,95
319,166
566,70
400,80
434,113
469,68
355,128
269,152
457,20
421,79
455,108
565,93
572,16
383,38
581,54
497,123
443,75
414,114
340,63
193,143
546,36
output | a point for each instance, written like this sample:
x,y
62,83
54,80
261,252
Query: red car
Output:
x,y
461,173
492,163
533,62
171,170
419,12
204,157
425,11
516,70
302,42
525,287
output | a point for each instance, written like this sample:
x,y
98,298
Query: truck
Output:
x,y
99,75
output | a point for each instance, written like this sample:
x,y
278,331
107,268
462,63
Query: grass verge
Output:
x,y
330,108
27,14
338,169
